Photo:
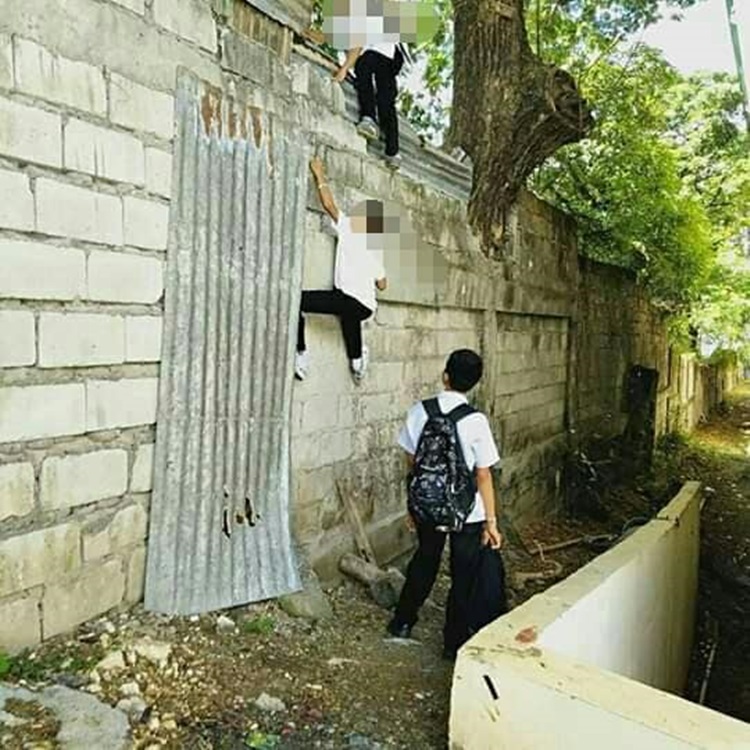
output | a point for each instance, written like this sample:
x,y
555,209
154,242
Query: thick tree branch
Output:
x,y
510,111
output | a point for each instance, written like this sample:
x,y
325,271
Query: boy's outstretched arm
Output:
x,y
351,57
324,192
491,534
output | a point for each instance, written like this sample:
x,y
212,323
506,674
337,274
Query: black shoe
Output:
x,y
399,629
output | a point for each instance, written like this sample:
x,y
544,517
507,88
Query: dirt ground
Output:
x,y
255,677
342,683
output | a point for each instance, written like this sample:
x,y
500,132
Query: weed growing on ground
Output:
x,y
260,625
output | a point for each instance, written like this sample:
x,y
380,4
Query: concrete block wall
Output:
x,y
86,130
85,179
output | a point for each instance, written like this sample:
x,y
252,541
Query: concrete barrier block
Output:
x,y
39,72
30,559
16,201
104,153
112,404
71,211
65,605
69,481
30,134
16,490
124,277
41,411
17,338
79,339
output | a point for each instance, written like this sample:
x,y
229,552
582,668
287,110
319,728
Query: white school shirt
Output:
x,y
474,434
357,266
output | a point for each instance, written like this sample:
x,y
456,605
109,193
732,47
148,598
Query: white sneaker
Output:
x,y
393,162
359,366
368,128
301,365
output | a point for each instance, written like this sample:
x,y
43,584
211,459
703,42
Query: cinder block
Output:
x,y
17,338
30,134
136,575
37,557
159,172
42,411
80,339
16,490
143,469
6,61
190,19
32,270
143,338
319,413
104,153
113,404
71,211
124,277
40,73
70,481
146,223
16,201
140,108
137,6
96,544
128,527
65,605
20,624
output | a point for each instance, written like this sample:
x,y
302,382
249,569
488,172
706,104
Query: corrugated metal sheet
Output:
x,y
219,531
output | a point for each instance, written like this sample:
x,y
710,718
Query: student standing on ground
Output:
x,y
358,271
449,450
376,67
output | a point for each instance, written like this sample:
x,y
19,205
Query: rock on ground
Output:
x,y
268,703
85,721
310,603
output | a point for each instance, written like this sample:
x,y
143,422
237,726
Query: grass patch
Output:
x,y
260,625
262,741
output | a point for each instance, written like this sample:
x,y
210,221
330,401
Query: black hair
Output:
x,y
464,369
375,217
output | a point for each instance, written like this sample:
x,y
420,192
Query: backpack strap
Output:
x,y
432,407
461,411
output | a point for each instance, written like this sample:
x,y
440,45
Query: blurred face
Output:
x,y
368,218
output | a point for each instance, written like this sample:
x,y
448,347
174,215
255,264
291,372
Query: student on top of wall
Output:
x,y
358,271
450,450
376,67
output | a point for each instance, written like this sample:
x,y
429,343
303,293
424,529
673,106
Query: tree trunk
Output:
x,y
510,111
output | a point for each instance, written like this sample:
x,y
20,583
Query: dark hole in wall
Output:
x,y
640,405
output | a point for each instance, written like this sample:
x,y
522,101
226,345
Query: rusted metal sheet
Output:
x,y
219,532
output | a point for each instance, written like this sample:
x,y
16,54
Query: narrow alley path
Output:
x,y
719,456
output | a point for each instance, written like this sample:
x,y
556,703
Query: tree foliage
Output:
x,y
661,184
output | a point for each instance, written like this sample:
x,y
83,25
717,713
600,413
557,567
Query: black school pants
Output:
x,y
372,65
351,312
466,546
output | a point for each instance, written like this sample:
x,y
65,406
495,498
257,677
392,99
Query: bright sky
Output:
x,y
701,40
